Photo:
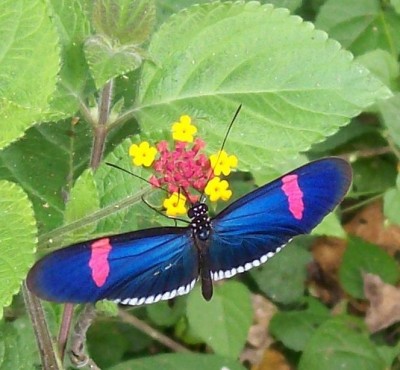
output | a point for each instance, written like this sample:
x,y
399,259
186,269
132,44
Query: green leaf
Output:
x,y
365,180
17,240
163,314
383,65
295,328
128,21
360,25
389,353
390,112
362,257
341,343
283,71
74,83
18,345
228,317
118,189
331,226
29,42
107,62
180,361
282,277
292,5
50,157
83,200
396,5
391,205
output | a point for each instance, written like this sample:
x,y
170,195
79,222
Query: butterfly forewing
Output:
x,y
133,268
258,225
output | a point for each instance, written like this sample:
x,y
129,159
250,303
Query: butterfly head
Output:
x,y
200,220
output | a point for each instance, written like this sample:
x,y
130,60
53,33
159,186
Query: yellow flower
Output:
x,y
218,189
175,204
183,130
222,163
142,154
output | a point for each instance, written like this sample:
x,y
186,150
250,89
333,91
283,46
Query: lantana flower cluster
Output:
x,y
184,169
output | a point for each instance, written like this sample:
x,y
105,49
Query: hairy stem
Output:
x,y
100,129
77,355
47,349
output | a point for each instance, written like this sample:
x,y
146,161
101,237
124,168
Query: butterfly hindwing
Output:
x,y
256,226
133,268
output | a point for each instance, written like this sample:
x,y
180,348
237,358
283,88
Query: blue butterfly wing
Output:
x,y
133,268
255,227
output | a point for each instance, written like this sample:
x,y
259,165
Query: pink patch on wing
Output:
x,y
294,194
99,260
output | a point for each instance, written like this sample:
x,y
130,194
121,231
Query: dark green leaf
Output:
x,y
341,343
224,321
18,345
361,257
365,180
180,361
282,277
165,314
295,328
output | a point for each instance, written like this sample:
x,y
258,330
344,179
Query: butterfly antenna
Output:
x,y
223,144
134,175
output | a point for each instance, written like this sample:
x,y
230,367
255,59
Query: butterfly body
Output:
x,y
155,264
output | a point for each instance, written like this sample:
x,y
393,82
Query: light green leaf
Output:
x,y
390,112
70,20
282,277
180,361
17,240
83,200
383,65
223,322
341,343
391,205
362,257
107,62
331,226
360,25
29,42
127,21
296,85
396,5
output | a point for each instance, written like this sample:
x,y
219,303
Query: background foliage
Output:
x,y
315,78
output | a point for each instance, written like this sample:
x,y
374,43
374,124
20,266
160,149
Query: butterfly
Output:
x,y
150,265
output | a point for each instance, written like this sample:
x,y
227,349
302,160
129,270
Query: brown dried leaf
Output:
x,y
258,338
272,360
323,272
369,224
384,300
